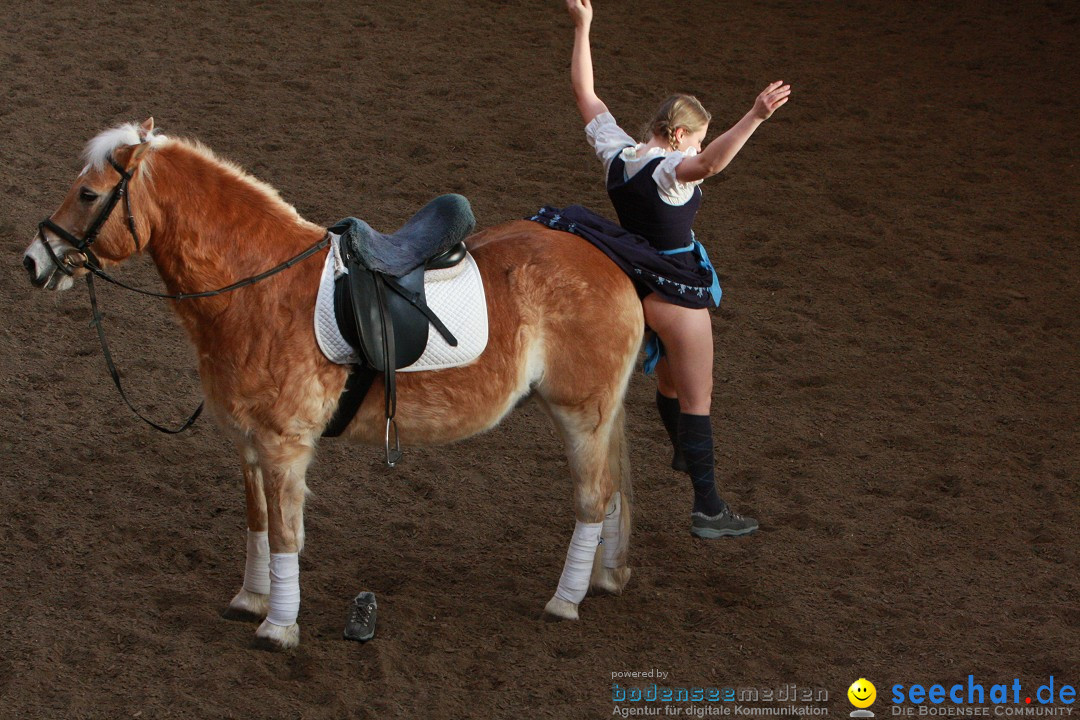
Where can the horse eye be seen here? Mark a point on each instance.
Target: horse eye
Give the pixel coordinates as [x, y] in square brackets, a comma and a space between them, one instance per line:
[87, 195]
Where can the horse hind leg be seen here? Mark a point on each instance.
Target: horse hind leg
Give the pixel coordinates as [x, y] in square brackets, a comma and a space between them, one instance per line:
[252, 602]
[610, 571]
[587, 444]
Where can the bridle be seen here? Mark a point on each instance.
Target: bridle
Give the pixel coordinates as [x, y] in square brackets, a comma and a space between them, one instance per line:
[82, 256]
[82, 245]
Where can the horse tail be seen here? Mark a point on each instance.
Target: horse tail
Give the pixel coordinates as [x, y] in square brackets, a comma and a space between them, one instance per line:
[622, 479]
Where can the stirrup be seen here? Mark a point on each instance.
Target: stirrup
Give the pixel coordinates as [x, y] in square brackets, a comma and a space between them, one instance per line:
[392, 456]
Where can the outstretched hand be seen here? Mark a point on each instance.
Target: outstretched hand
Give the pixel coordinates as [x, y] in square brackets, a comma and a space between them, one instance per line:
[772, 97]
[581, 11]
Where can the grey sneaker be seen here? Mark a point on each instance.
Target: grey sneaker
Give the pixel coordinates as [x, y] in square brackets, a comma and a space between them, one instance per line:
[361, 623]
[726, 524]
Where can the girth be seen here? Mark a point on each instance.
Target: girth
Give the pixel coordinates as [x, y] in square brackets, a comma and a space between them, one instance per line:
[386, 317]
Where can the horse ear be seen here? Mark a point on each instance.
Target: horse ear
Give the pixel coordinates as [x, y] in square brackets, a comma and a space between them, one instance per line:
[146, 128]
[128, 156]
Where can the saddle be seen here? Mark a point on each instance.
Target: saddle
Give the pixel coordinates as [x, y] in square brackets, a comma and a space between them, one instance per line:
[380, 306]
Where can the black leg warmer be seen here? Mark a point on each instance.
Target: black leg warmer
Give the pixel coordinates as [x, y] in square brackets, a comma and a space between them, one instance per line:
[669, 413]
[695, 439]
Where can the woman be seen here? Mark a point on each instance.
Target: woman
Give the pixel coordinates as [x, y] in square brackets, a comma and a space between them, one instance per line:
[653, 186]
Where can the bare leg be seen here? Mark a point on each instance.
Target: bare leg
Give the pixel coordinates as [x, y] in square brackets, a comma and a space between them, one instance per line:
[687, 337]
[684, 374]
[664, 382]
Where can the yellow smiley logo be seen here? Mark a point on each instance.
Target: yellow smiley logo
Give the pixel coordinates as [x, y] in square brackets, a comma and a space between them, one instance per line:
[862, 693]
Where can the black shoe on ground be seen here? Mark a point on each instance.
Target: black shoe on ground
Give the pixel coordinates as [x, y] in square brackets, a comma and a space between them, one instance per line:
[361, 623]
[726, 524]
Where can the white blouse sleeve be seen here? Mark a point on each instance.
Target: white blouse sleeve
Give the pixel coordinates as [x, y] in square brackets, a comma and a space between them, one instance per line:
[607, 138]
[672, 190]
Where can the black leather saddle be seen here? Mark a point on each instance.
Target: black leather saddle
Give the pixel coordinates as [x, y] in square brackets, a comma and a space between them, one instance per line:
[380, 305]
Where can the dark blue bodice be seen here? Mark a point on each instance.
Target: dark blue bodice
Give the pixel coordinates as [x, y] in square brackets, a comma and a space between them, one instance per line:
[641, 210]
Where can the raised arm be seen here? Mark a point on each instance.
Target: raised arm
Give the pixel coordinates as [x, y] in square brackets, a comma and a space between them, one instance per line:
[717, 154]
[581, 72]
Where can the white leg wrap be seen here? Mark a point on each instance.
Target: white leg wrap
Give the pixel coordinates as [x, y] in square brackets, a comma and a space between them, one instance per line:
[574, 582]
[610, 534]
[257, 569]
[284, 589]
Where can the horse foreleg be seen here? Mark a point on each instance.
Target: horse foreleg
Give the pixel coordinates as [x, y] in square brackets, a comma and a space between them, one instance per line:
[586, 439]
[253, 600]
[284, 463]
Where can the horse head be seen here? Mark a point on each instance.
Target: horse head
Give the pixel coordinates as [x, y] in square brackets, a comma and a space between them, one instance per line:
[96, 221]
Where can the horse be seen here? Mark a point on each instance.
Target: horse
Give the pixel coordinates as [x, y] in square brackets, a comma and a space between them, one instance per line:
[565, 328]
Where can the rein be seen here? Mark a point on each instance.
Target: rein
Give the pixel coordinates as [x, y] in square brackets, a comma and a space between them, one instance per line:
[85, 258]
[294, 260]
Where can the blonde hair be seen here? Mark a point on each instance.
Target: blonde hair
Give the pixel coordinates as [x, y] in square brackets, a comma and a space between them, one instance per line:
[678, 111]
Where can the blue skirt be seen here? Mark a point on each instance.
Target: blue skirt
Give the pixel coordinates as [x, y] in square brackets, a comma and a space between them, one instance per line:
[682, 276]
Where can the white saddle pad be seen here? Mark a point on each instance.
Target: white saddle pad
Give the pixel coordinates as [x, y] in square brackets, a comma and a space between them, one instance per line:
[455, 295]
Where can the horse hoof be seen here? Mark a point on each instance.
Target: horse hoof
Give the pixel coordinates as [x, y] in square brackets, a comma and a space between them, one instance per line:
[610, 580]
[276, 637]
[559, 609]
[247, 606]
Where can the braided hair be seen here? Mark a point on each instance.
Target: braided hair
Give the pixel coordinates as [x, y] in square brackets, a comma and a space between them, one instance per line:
[678, 111]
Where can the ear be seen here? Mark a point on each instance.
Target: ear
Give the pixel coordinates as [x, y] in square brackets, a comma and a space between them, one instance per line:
[129, 156]
[146, 128]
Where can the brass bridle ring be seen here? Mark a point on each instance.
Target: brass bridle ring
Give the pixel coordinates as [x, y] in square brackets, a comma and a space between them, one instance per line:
[73, 258]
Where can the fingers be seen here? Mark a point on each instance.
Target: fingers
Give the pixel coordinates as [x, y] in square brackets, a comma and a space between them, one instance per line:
[771, 107]
[774, 98]
[771, 98]
[579, 8]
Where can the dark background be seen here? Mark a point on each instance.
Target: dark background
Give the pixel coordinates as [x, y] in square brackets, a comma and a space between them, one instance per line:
[896, 378]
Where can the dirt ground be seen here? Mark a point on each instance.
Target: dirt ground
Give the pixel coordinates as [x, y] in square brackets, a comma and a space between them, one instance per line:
[896, 377]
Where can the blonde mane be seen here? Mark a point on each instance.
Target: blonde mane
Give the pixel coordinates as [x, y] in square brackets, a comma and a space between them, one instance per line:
[97, 152]
[237, 172]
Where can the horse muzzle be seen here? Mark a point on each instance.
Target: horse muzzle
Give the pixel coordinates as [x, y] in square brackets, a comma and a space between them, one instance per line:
[44, 272]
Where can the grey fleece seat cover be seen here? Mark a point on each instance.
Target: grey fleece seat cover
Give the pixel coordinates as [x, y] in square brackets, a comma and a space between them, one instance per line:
[436, 227]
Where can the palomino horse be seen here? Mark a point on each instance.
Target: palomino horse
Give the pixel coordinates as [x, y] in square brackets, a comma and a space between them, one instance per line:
[564, 327]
